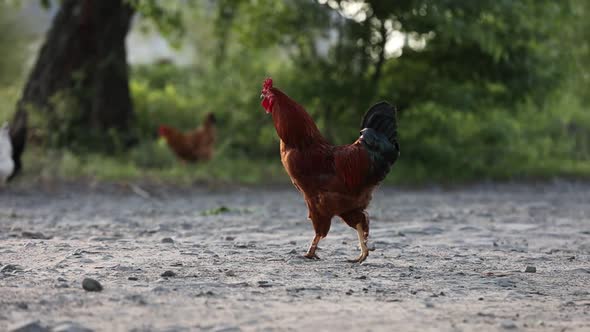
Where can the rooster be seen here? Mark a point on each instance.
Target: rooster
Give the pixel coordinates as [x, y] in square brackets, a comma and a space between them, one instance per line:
[197, 145]
[6, 161]
[334, 180]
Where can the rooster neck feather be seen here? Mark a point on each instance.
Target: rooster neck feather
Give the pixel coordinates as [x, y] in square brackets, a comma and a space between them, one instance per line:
[294, 125]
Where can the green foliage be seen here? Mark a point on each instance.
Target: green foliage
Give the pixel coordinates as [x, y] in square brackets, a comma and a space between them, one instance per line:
[216, 211]
[487, 89]
[446, 145]
[12, 46]
[161, 167]
[165, 15]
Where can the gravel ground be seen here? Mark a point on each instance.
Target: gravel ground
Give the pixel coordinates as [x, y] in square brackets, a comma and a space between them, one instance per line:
[230, 259]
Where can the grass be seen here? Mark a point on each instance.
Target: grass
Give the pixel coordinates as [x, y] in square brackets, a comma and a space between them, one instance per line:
[63, 165]
[60, 165]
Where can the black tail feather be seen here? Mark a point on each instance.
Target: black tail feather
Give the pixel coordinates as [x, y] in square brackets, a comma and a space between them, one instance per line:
[382, 118]
[379, 135]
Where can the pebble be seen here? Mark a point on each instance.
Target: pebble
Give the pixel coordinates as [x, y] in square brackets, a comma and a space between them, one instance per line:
[91, 285]
[9, 268]
[22, 306]
[29, 326]
[71, 327]
[168, 274]
[508, 324]
[132, 278]
[230, 273]
[503, 282]
[530, 269]
[167, 240]
[35, 235]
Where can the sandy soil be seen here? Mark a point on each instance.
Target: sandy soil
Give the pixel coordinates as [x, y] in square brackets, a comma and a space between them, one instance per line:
[444, 261]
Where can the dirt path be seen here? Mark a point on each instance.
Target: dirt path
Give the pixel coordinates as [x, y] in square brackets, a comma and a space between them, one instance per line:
[444, 261]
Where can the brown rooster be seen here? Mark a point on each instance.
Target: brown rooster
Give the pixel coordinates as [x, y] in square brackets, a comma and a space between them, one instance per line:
[334, 180]
[197, 145]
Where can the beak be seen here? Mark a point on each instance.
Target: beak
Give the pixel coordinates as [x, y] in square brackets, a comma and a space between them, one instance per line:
[262, 96]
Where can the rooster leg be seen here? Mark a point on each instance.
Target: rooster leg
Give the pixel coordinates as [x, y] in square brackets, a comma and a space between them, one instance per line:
[359, 220]
[312, 247]
[363, 238]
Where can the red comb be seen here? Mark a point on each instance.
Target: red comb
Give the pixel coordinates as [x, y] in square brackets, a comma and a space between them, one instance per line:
[267, 84]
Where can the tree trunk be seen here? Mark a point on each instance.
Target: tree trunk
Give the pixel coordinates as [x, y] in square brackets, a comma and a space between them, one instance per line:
[84, 56]
[381, 60]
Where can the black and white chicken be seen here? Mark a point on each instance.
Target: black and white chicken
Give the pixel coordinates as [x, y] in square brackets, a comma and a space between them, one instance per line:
[6, 158]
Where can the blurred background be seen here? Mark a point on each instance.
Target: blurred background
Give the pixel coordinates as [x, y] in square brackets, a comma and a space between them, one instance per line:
[487, 90]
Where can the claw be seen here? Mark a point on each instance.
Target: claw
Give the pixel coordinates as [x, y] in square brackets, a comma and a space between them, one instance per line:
[311, 256]
[359, 259]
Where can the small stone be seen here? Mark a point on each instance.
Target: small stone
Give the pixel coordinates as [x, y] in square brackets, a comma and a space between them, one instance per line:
[9, 268]
[530, 269]
[230, 238]
[168, 274]
[349, 292]
[91, 285]
[71, 327]
[133, 278]
[35, 235]
[22, 306]
[230, 273]
[207, 293]
[30, 326]
[362, 277]
[167, 240]
[480, 299]
[508, 324]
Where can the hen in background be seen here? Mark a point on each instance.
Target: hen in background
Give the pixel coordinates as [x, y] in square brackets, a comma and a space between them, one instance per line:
[196, 145]
[334, 180]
